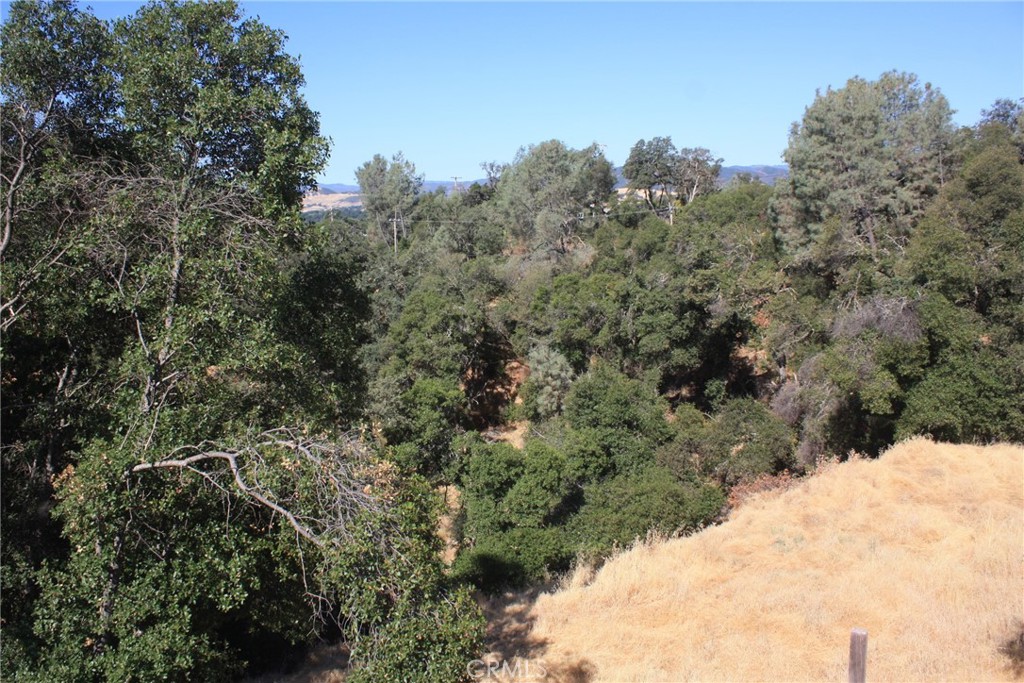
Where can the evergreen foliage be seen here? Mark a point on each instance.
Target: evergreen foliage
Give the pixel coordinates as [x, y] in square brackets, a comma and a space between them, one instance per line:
[224, 426]
[550, 378]
[181, 496]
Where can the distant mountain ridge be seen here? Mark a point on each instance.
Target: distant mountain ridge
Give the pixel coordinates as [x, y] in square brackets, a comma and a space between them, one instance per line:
[767, 174]
[337, 188]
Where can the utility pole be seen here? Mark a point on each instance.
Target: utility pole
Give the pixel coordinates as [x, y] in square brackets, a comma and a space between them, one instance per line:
[456, 179]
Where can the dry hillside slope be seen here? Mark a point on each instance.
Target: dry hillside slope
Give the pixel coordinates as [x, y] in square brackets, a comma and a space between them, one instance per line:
[923, 547]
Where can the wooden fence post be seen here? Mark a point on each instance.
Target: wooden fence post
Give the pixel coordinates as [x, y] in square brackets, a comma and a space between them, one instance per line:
[858, 655]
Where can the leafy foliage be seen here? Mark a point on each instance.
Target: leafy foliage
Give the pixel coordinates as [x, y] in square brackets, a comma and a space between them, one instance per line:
[658, 171]
[550, 378]
[743, 441]
[223, 425]
[389, 191]
[620, 509]
[179, 353]
[547, 189]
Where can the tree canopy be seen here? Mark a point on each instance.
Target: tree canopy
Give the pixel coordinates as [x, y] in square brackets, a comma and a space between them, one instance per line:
[182, 492]
[549, 190]
[226, 426]
[661, 173]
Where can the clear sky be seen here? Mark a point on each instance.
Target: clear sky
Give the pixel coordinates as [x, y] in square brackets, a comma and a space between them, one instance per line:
[455, 84]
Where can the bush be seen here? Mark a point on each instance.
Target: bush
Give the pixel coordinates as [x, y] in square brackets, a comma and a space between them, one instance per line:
[618, 510]
[425, 641]
[428, 414]
[743, 441]
[618, 422]
[492, 472]
[974, 396]
[513, 558]
[513, 504]
[546, 482]
[681, 455]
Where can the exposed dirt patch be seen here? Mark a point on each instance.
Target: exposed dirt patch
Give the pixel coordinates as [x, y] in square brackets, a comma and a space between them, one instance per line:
[513, 433]
[446, 525]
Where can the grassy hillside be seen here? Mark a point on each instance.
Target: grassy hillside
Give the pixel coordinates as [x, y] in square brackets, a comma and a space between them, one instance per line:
[922, 547]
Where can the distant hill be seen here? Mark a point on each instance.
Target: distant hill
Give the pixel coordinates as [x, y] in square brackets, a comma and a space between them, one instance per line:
[337, 188]
[766, 174]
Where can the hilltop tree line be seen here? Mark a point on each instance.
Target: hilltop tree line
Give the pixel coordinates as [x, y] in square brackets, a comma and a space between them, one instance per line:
[225, 428]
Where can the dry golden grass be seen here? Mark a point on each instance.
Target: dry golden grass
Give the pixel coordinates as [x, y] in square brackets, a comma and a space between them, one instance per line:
[514, 434]
[327, 202]
[923, 547]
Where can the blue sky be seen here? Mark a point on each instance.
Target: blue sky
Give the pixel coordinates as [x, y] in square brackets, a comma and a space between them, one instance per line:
[455, 84]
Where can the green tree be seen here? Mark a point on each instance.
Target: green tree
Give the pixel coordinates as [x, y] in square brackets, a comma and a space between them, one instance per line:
[864, 162]
[435, 369]
[549, 190]
[967, 259]
[55, 102]
[921, 351]
[968, 245]
[618, 423]
[459, 227]
[492, 471]
[623, 508]
[514, 504]
[389, 191]
[550, 378]
[207, 92]
[210, 509]
[661, 173]
[740, 442]
[1010, 115]
[696, 173]
[650, 170]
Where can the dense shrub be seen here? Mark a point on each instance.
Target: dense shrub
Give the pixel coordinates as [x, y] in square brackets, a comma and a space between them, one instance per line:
[619, 509]
[492, 471]
[513, 506]
[425, 642]
[618, 422]
[741, 442]
[536, 499]
[423, 423]
[514, 557]
[977, 395]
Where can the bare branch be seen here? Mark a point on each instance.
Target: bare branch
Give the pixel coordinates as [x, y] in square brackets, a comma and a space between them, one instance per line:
[250, 491]
[330, 484]
[27, 151]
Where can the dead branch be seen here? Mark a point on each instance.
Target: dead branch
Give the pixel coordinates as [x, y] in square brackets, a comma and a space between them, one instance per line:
[336, 478]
